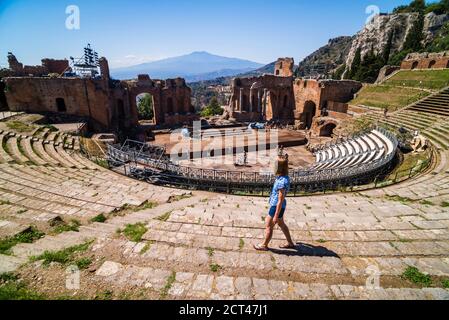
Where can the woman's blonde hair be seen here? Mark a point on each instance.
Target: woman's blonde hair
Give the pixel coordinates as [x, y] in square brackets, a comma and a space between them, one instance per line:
[281, 166]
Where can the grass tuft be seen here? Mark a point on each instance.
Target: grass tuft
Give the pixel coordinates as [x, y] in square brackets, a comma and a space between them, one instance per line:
[241, 244]
[18, 291]
[170, 281]
[28, 236]
[135, 232]
[417, 277]
[210, 251]
[215, 267]
[164, 217]
[101, 218]
[66, 227]
[65, 256]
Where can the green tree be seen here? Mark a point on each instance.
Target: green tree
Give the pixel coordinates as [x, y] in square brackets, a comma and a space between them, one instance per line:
[212, 109]
[388, 47]
[414, 39]
[145, 107]
[355, 63]
[338, 73]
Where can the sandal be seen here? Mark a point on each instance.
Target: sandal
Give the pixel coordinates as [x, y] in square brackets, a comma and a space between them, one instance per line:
[287, 246]
[260, 247]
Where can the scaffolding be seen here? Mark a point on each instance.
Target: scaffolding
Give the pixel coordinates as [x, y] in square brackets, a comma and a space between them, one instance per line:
[88, 65]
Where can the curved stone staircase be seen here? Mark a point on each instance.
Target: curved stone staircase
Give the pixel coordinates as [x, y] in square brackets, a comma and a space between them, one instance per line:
[44, 181]
[200, 247]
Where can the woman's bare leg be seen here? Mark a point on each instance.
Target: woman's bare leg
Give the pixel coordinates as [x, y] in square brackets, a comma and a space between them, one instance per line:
[286, 232]
[268, 230]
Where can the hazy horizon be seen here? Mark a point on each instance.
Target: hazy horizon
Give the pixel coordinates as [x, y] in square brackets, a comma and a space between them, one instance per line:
[144, 31]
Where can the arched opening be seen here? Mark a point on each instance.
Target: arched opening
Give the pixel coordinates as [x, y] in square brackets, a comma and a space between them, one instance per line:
[277, 72]
[3, 101]
[60, 105]
[245, 103]
[145, 106]
[309, 113]
[254, 103]
[432, 64]
[447, 65]
[327, 130]
[415, 65]
[120, 109]
[285, 105]
[170, 106]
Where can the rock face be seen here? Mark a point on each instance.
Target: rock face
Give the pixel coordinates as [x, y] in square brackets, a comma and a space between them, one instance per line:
[326, 58]
[375, 35]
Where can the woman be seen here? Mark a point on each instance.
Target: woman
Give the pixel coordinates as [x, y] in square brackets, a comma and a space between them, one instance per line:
[278, 204]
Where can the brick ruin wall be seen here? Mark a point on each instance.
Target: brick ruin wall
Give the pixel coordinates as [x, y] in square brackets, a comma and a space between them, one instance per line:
[312, 96]
[419, 61]
[284, 67]
[111, 106]
[48, 66]
[266, 97]
[271, 97]
[73, 96]
[171, 99]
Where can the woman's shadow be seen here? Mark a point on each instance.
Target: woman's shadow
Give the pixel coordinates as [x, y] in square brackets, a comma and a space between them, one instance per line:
[306, 250]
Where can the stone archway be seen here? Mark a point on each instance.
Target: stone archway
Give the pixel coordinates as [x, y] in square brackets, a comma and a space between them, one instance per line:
[415, 65]
[327, 130]
[432, 64]
[3, 101]
[145, 106]
[308, 114]
[60, 105]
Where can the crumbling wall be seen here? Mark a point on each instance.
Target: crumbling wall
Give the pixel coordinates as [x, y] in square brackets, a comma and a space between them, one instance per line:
[338, 91]
[55, 66]
[426, 61]
[48, 66]
[284, 67]
[3, 102]
[73, 96]
[266, 97]
[312, 96]
[171, 99]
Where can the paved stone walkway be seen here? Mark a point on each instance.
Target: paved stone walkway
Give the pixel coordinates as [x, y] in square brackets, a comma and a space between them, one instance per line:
[200, 246]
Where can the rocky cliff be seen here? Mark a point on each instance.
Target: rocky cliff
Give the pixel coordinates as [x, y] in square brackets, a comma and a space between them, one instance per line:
[326, 58]
[374, 36]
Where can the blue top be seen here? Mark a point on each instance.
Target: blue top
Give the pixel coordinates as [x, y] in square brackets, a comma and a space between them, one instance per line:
[281, 183]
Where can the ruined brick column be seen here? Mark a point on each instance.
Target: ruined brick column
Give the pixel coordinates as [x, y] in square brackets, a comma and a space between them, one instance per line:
[241, 100]
[104, 68]
[259, 105]
[251, 99]
[265, 97]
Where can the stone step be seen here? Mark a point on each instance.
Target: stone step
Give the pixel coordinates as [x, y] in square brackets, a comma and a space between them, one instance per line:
[41, 152]
[51, 150]
[69, 159]
[10, 263]
[193, 285]
[4, 155]
[30, 154]
[65, 240]
[11, 229]
[14, 150]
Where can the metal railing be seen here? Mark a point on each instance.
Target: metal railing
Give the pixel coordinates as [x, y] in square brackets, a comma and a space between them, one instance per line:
[149, 165]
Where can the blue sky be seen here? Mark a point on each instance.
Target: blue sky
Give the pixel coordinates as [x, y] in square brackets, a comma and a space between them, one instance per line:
[135, 31]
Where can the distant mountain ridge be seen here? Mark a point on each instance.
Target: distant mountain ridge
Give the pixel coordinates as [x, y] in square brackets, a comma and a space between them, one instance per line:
[196, 66]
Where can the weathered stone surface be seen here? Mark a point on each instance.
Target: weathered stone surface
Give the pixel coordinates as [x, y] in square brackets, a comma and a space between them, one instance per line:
[109, 268]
